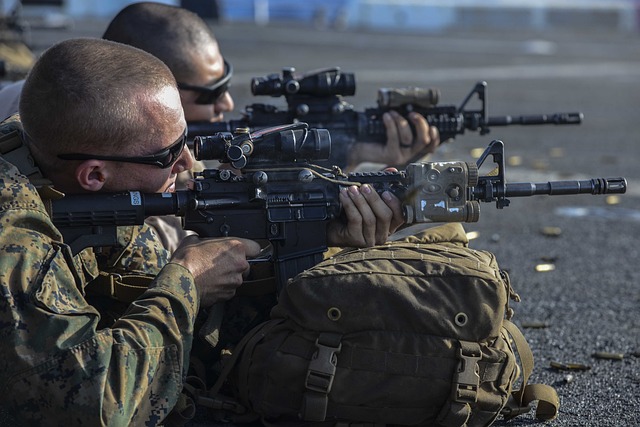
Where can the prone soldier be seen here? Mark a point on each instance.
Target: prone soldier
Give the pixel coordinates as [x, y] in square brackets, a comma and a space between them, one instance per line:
[57, 360]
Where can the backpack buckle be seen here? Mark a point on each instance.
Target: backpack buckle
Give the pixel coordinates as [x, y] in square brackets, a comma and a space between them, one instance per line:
[319, 378]
[467, 378]
[322, 367]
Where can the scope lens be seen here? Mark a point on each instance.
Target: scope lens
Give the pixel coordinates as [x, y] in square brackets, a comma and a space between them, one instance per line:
[211, 147]
[270, 85]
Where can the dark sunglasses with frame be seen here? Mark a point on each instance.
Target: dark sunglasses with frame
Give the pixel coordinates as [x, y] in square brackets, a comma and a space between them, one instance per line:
[162, 159]
[211, 94]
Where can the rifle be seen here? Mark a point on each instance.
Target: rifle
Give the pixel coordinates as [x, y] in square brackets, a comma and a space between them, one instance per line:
[316, 98]
[282, 197]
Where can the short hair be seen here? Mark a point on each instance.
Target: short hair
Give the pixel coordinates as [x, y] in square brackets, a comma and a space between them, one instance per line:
[171, 33]
[88, 95]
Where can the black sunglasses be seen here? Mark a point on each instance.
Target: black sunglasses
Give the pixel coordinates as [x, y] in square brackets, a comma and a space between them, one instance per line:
[162, 159]
[211, 94]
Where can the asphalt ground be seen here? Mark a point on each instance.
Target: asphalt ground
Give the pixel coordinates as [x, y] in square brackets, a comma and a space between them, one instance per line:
[588, 300]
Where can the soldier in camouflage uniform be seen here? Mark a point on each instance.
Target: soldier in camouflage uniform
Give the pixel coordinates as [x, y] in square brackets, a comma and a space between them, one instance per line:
[57, 367]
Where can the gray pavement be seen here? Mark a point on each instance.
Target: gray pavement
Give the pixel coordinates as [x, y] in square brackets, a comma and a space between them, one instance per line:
[590, 301]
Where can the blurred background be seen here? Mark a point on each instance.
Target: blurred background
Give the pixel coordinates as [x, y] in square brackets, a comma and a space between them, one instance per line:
[405, 15]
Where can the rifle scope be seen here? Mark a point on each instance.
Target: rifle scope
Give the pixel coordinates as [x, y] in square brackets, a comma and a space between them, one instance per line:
[323, 82]
[273, 145]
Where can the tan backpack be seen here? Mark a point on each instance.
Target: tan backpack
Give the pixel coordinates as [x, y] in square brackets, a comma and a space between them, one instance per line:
[413, 332]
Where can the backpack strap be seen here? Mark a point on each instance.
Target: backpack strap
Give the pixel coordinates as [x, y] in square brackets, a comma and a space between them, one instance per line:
[14, 151]
[464, 392]
[319, 378]
[548, 402]
[211, 398]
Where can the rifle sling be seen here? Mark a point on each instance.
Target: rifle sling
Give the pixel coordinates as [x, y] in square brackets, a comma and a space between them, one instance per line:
[126, 288]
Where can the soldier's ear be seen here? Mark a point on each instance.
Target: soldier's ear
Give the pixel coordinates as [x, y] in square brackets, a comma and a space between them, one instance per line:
[92, 174]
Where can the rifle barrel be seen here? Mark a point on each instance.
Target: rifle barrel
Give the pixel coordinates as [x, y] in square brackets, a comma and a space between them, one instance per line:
[538, 119]
[593, 186]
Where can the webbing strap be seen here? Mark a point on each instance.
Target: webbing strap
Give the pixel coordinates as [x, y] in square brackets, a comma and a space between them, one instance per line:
[320, 374]
[126, 288]
[464, 392]
[548, 401]
[467, 379]
[210, 331]
[247, 342]
[10, 141]
[526, 356]
[358, 358]
[13, 150]
[232, 408]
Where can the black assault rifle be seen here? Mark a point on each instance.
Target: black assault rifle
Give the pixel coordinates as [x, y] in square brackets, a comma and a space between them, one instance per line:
[280, 196]
[316, 98]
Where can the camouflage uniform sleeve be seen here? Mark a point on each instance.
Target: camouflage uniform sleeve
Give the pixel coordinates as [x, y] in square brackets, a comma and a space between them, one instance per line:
[140, 252]
[56, 367]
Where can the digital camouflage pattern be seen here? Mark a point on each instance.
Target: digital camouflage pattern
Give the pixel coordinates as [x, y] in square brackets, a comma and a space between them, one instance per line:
[143, 253]
[56, 366]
